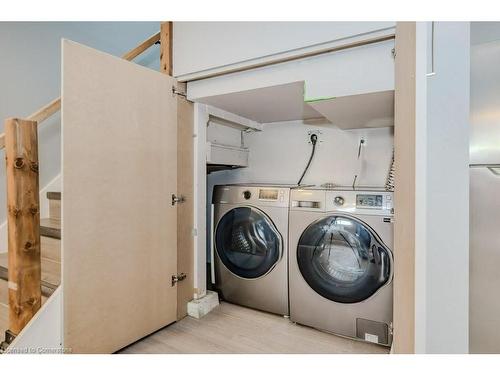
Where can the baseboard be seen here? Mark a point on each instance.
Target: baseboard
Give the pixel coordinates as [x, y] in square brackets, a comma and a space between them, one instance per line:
[200, 307]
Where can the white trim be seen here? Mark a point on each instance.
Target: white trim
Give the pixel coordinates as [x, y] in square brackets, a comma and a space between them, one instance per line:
[237, 120]
[198, 308]
[201, 117]
[293, 54]
[421, 188]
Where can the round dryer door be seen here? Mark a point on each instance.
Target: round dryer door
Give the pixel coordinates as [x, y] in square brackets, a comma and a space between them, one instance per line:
[247, 242]
[342, 259]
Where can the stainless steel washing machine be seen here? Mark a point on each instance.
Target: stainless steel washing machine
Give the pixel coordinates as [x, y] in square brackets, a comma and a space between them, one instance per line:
[341, 262]
[249, 245]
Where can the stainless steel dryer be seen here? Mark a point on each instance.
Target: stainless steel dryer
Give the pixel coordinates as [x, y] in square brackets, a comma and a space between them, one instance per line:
[249, 245]
[341, 263]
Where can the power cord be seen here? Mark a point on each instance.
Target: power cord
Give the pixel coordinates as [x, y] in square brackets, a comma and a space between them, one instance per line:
[314, 140]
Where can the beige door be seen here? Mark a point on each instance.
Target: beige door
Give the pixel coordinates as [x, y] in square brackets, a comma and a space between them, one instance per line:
[119, 171]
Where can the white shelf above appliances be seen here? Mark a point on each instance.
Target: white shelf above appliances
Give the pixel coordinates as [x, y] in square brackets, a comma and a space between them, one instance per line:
[368, 110]
[225, 147]
[220, 157]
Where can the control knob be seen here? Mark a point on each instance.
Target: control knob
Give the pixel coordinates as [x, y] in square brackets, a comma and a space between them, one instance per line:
[247, 194]
[339, 201]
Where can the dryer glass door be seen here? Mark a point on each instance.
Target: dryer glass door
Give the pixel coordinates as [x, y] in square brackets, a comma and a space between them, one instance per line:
[247, 242]
[343, 260]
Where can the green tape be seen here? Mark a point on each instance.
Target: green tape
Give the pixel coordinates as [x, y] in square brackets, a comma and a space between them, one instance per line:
[312, 100]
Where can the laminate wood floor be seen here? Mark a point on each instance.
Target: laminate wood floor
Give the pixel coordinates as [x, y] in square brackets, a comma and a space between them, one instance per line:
[234, 329]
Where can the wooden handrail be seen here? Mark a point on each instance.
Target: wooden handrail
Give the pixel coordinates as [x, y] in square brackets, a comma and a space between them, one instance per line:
[54, 106]
[45, 112]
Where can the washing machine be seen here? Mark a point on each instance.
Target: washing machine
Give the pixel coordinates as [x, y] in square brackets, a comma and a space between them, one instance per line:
[249, 245]
[341, 262]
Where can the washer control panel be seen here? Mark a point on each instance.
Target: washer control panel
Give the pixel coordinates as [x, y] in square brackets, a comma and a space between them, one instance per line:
[369, 202]
[339, 200]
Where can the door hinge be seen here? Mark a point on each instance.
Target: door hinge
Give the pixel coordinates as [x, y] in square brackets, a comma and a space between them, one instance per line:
[178, 92]
[177, 199]
[177, 278]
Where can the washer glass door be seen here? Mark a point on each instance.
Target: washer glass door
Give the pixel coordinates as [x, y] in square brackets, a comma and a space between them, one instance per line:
[342, 259]
[247, 242]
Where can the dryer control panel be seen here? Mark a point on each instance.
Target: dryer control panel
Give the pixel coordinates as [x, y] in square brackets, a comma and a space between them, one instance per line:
[366, 202]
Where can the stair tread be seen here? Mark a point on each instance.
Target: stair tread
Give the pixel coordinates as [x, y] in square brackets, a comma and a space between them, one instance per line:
[50, 228]
[51, 270]
[4, 319]
[4, 295]
[55, 195]
[51, 248]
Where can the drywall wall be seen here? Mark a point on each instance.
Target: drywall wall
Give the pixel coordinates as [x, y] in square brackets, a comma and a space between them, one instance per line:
[280, 152]
[201, 47]
[30, 74]
[43, 334]
[363, 69]
[447, 182]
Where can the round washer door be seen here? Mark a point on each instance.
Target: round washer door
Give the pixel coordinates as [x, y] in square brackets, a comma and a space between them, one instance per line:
[247, 242]
[342, 259]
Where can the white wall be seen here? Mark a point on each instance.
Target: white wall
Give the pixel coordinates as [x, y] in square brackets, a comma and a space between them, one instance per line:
[30, 74]
[43, 333]
[280, 152]
[201, 48]
[444, 273]
[352, 71]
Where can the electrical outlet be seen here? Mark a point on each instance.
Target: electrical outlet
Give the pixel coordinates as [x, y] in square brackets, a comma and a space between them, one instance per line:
[317, 132]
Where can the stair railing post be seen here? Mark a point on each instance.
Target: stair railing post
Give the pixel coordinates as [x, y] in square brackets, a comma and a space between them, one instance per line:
[23, 221]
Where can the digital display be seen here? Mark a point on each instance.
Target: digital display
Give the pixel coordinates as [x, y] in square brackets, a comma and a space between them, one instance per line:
[268, 194]
[368, 201]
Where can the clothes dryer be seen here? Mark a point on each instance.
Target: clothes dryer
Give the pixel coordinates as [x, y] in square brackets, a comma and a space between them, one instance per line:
[249, 245]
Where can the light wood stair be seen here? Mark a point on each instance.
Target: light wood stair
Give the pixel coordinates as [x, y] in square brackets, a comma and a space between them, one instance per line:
[4, 308]
[50, 237]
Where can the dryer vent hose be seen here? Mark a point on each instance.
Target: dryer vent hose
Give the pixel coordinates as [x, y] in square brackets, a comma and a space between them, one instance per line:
[389, 185]
[314, 140]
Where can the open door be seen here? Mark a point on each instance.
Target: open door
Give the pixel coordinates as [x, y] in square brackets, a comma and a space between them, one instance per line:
[119, 225]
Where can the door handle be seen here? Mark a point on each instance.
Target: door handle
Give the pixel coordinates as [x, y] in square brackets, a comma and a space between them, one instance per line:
[177, 199]
[495, 170]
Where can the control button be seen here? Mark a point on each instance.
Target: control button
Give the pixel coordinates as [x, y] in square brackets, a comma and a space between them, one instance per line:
[247, 194]
[339, 201]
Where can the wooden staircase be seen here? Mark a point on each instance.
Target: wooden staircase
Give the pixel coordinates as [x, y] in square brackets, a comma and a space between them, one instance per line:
[50, 236]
